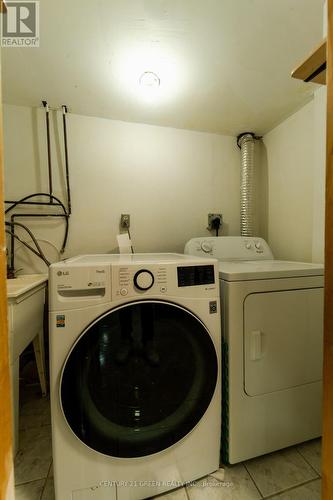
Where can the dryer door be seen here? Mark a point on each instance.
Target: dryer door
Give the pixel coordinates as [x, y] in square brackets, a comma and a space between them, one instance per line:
[283, 340]
[139, 379]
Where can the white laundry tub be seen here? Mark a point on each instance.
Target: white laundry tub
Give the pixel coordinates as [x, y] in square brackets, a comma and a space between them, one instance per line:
[26, 299]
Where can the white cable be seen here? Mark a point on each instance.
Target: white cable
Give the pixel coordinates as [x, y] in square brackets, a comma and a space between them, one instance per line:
[19, 246]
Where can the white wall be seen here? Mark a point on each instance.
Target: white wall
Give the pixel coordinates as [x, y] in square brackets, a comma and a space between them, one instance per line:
[167, 179]
[319, 177]
[293, 171]
[294, 157]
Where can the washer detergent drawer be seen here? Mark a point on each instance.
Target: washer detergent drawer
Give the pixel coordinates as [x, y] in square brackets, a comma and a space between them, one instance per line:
[283, 340]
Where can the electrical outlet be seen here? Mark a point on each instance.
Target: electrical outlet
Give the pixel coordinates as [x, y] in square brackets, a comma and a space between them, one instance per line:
[211, 217]
[125, 221]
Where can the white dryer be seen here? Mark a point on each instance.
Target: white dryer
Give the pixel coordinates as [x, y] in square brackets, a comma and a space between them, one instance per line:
[272, 330]
[135, 374]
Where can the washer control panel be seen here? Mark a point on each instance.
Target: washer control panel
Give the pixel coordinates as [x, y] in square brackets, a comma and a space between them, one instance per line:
[101, 278]
[132, 280]
[143, 279]
[162, 279]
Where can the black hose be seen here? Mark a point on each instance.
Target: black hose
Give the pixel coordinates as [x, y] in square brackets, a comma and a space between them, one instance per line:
[66, 215]
[37, 203]
[29, 247]
[69, 203]
[18, 202]
[52, 198]
[48, 215]
[64, 243]
[46, 106]
[32, 236]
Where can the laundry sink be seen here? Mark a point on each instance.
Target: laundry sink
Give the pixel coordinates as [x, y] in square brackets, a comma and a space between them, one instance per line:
[26, 299]
[22, 284]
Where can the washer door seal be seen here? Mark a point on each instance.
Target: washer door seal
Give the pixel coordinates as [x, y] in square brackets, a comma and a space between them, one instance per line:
[139, 379]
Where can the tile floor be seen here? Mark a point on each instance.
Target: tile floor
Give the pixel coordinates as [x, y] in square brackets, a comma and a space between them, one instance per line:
[291, 474]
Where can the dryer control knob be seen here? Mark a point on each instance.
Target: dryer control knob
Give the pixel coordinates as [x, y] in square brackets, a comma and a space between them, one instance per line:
[206, 246]
[143, 279]
[248, 246]
[258, 245]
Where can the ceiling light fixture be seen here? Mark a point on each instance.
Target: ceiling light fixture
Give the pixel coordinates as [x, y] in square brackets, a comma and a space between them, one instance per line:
[149, 79]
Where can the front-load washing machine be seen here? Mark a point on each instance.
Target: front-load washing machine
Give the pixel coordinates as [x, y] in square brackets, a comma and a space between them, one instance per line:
[135, 374]
[272, 330]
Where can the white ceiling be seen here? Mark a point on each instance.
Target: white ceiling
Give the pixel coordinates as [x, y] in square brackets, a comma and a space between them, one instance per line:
[224, 65]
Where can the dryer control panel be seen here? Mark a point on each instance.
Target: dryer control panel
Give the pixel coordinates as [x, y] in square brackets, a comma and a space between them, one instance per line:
[229, 248]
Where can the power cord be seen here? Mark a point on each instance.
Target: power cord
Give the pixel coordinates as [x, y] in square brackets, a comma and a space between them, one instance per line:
[129, 235]
[216, 224]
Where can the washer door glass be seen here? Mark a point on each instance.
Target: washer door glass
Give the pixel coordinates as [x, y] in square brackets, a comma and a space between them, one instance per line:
[139, 379]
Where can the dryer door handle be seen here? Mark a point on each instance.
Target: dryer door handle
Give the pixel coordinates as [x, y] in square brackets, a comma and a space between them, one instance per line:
[256, 347]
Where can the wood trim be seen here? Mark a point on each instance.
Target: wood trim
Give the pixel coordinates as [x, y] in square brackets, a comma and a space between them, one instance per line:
[327, 473]
[6, 463]
[3, 7]
[308, 70]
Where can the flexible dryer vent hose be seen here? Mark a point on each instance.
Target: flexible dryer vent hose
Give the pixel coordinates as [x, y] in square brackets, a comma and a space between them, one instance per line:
[246, 144]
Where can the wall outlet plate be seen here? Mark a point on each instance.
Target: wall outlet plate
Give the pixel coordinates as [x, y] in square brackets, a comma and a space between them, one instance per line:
[125, 221]
[211, 217]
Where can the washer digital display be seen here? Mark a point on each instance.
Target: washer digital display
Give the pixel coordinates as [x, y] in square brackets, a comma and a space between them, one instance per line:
[195, 275]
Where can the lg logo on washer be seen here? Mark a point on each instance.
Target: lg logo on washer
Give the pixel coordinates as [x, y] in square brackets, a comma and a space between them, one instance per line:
[63, 273]
[78, 278]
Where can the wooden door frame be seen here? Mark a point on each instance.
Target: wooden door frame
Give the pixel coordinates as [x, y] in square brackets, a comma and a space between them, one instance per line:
[327, 461]
[6, 461]
[6, 464]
